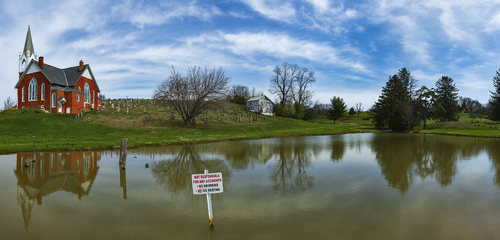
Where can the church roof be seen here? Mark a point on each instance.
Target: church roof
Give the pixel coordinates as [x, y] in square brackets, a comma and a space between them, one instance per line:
[28, 44]
[67, 77]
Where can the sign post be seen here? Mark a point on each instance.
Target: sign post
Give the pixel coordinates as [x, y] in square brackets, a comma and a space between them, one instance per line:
[207, 183]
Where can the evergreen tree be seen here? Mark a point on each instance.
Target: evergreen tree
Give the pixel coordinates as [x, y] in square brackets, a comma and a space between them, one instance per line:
[352, 111]
[388, 109]
[409, 82]
[337, 109]
[495, 99]
[448, 98]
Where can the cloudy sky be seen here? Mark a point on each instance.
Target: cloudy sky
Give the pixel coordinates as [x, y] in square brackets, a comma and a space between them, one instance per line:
[352, 46]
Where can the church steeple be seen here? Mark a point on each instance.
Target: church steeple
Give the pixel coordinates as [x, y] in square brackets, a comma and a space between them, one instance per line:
[28, 53]
[28, 44]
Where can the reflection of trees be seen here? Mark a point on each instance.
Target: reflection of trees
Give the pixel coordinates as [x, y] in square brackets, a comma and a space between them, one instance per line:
[175, 174]
[403, 157]
[338, 148]
[242, 153]
[289, 174]
[494, 154]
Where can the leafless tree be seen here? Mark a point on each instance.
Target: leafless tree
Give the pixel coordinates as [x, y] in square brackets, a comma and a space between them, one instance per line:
[8, 103]
[240, 91]
[194, 92]
[359, 108]
[302, 96]
[283, 80]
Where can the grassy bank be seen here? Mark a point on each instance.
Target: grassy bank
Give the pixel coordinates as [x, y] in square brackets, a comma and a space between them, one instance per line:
[465, 127]
[34, 130]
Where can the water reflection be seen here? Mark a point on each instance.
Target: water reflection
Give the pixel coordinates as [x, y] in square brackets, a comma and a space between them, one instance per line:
[174, 174]
[338, 145]
[402, 158]
[493, 149]
[41, 174]
[245, 154]
[289, 174]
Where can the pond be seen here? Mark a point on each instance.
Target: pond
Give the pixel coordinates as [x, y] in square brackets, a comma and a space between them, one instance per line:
[355, 186]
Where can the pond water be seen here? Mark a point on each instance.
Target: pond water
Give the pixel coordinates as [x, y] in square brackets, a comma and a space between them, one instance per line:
[355, 186]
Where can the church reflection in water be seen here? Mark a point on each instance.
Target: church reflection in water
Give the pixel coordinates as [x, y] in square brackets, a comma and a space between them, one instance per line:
[41, 174]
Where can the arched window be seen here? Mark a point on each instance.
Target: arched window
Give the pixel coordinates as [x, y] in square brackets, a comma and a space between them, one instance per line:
[53, 100]
[32, 93]
[24, 93]
[43, 91]
[93, 97]
[86, 93]
[78, 97]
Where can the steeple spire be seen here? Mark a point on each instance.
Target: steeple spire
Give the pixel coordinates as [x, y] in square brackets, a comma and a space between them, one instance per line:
[28, 44]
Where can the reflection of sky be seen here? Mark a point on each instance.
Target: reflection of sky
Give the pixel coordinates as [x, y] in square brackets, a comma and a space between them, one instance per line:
[349, 199]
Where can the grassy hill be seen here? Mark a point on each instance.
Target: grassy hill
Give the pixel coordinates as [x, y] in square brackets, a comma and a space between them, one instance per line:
[34, 130]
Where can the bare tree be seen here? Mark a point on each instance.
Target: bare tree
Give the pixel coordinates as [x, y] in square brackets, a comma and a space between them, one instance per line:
[359, 108]
[302, 96]
[8, 103]
[283, 80]
[194, 92]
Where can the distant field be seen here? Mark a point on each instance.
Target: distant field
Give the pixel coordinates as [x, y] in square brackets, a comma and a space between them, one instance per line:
[34, 130]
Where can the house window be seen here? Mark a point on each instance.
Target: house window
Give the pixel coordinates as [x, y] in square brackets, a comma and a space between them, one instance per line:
[32, 93]
[24, 93]
[53, 100]
[86, 93]
[43, 91]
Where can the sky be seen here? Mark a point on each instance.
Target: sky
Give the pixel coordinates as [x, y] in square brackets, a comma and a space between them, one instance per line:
[352, 46]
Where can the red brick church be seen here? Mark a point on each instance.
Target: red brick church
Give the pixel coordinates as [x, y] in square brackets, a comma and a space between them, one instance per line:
[56, 90]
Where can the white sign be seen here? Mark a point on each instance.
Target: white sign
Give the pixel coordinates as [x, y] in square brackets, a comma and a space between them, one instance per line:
[207, 183]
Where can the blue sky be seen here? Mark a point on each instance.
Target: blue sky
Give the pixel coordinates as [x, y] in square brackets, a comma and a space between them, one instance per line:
[352, 46]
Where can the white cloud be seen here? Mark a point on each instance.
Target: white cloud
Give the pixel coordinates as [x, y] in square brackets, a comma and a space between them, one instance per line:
[141, 14]
[273, 9]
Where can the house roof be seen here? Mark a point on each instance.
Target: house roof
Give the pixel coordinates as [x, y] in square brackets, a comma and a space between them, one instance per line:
[67, 77]
[258, 98]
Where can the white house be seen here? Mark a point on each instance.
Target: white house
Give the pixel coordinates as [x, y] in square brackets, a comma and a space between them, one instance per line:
[260, 103]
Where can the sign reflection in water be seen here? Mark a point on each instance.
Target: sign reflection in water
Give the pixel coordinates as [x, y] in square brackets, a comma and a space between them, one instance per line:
[41, 174]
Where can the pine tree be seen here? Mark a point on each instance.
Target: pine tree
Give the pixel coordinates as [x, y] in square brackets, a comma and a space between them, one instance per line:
[495, 99]
[337, 110]
[388, 109]
[409, 82]
[448, 98]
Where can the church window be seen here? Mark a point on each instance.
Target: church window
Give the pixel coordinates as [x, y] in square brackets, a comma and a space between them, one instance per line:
[53, 100]
[78, 97]
[43, 91]
[24, 93]
[86, 93]
[93, 97]
[32, 91]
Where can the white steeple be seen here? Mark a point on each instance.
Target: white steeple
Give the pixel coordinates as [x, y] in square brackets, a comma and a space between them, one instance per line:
[28, 52]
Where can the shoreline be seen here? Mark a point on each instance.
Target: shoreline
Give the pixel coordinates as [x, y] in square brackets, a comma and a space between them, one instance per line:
[193, 142]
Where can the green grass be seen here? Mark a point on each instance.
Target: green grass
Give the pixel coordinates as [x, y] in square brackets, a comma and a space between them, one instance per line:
[33, 130]
[464, 127]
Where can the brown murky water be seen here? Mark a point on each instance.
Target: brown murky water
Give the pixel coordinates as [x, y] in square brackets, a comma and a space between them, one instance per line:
[357, 186]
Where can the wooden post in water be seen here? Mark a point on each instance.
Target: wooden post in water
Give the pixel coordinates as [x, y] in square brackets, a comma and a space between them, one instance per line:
[209, 203]
[123, 153]
[123, 182]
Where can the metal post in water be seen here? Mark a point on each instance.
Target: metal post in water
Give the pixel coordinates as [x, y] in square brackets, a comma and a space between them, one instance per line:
[209, 203]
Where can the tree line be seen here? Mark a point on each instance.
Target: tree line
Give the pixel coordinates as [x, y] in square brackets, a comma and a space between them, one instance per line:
[401, 106]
